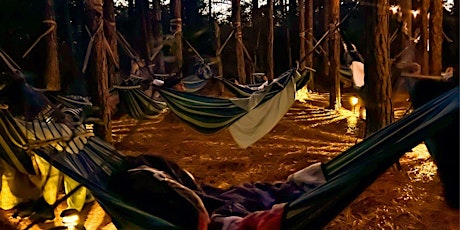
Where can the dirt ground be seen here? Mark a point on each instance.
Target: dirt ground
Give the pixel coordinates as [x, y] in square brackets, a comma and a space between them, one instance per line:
[407, 199]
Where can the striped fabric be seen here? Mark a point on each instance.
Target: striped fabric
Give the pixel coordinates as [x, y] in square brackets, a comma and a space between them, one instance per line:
[211, 114]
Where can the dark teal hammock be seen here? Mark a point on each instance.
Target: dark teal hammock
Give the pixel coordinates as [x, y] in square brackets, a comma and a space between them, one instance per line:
[347, 174]
[210, 114]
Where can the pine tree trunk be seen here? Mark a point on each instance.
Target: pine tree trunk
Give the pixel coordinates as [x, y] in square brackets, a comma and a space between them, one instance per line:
[236, 18]
[302, 39]
[326, 22]
[220, 69]
[334, 57]
[309, 31]
[176, 29]
[379, 107]
[98, 80]
[51, 74]
[110, 32]
[406, 7]
[436, 37]
[424, 36]
[158, 36]
[309, 19]
[142, 8]
[270, 37]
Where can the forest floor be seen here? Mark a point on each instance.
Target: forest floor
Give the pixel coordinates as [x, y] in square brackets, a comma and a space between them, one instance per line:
[410, 198]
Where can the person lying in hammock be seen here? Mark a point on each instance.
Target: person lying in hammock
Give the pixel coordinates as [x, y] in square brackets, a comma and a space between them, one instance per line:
[160, 187]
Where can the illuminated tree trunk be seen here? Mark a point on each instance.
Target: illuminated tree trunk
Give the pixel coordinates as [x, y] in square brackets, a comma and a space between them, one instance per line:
[406, 7]
[309, 24]
[176, 29]
[110, 32]
[334, 56]
[236, 18]
[51, 74]
[326, 18]
[379, 107]
[98, 80]
[436, 37]
[424, 36]
[309, 32]
[270, 58]
[302, 33]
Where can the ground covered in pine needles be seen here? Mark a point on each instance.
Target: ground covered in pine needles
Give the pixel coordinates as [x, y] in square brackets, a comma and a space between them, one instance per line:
[410, 198]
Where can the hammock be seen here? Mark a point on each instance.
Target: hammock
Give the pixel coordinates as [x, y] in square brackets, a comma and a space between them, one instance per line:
[239, 90]
[347, 174]
[248, 118]
[352, 171]
[134, 102]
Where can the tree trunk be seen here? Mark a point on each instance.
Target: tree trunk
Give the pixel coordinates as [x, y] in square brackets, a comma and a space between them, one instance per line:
[334, 57]
[236, 18]
[424, 36]
[98, 80]
[379, 107]
[302, 39]
[142, 7]
[158, 36]
[309, 18]
[309, 32]
[406, 7]
[270, 58]
[220, 69]
[110, 32]
[176, 29]
[326, 18]
[52, 75]
[436, 37]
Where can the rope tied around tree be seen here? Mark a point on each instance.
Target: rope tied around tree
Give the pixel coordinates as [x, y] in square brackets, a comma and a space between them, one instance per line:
[90, 44]
[53, 26]
[176, 25]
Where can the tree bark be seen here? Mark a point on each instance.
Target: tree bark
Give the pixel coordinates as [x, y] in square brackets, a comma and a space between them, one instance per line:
[270, 37]
[110, 32]
[220, 69]
[52, 75]
[236, 18]
[379, 106]
[326, 18]
[309, 19]
[334, 57]
[98, 80]
[302, 39]
[406, 7]
[436, 37]
[158, 36]
[424, 36]
[176, 29]
[142, 9]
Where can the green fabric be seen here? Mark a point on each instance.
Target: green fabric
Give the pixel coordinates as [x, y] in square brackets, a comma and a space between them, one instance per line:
[355, 169]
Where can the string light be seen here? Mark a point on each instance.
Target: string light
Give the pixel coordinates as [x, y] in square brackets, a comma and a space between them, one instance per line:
[394, 9]
[415, 13]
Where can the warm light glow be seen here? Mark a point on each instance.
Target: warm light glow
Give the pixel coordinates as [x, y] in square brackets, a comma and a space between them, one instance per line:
[394, 9]
[70, 218]
[354, 101]
[415, 13]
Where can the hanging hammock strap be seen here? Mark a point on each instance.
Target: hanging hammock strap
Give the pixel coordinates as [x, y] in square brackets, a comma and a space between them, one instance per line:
[52, 24]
